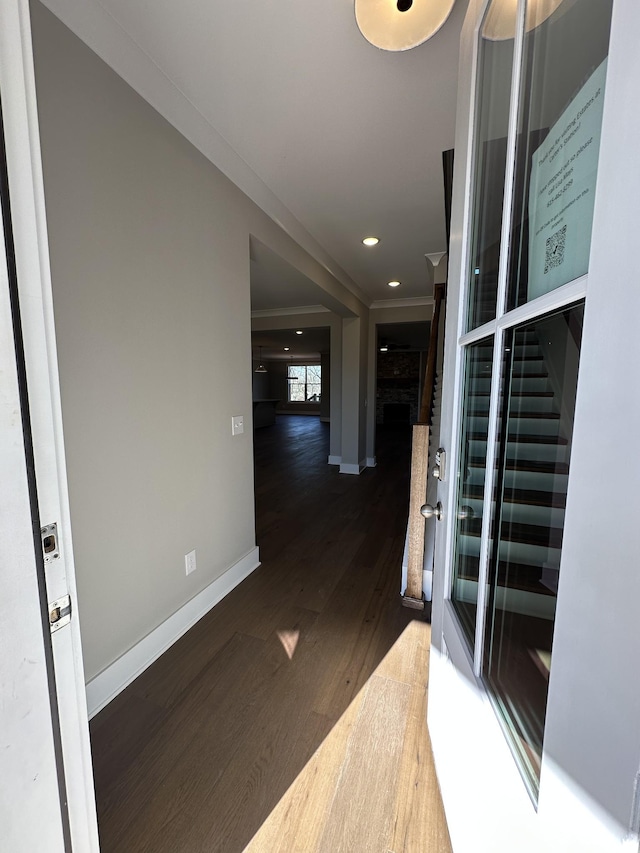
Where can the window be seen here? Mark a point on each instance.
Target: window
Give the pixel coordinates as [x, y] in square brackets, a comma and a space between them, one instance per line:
[533, 184]
[304, 381]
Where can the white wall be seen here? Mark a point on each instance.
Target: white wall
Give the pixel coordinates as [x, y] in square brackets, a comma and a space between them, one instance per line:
[149, 248]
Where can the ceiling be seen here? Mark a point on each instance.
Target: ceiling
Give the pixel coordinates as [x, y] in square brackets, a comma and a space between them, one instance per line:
[347, 138]
[309, 345]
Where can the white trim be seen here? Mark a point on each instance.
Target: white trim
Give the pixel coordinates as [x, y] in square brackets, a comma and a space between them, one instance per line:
[457, 295]
[501, 298]
[487, 330]
[334, 460]
[24, 164]
[113, 680]
[555, 300]
[409, 302]
[351, 468]
[371, 461]
[285, 312]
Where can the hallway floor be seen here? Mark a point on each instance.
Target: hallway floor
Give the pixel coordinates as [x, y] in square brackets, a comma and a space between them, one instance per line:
[293, 713]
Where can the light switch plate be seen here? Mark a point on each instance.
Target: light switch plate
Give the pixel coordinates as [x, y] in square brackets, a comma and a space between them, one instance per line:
[237, 425]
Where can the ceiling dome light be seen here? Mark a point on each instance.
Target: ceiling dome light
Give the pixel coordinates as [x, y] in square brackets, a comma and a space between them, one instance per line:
[286, 349]
[371, 241]
[400, 24]
[299, 332]
[394, 284]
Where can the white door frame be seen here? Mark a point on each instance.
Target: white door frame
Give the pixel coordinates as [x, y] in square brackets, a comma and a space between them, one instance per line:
[17, 90]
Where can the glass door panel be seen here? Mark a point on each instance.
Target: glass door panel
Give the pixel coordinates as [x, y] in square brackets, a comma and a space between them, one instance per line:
[536, 427]
[558, 140]
[473, 452]
[494, 91]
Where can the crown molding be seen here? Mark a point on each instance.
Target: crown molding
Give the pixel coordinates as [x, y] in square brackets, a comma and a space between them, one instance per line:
[410, 302]
[286, 312]
[105, 36]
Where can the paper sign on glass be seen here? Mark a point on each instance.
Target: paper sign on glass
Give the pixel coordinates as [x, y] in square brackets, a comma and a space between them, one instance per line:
[562, 190]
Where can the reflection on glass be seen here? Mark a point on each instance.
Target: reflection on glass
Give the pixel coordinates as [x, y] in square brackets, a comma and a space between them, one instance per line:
[559, 119]
[494, 89]
[535, 445]
[475, 425]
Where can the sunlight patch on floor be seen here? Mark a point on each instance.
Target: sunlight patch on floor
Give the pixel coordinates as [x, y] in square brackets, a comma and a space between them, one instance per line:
[371, 783]
[289, 640]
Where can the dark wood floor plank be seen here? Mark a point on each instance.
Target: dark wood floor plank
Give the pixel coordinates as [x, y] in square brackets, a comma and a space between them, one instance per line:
[198, 751]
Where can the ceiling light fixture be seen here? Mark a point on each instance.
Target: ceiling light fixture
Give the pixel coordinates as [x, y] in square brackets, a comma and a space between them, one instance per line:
[400, 24]
[286, 349]
[500, 21]
[384, 348]
[260, 368]
[394, 284]
[371, 241]
[299, 332]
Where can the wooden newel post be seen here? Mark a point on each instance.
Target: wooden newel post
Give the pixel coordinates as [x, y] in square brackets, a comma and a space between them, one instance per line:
[417, 497]
[412, 596]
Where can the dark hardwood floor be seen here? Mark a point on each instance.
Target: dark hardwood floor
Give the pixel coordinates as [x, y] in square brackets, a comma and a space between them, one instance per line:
[196, 753]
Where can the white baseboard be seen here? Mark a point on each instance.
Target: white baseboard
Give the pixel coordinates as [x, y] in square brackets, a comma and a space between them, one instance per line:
[351, 468]
[112, 680]
[371, 461]
[335, 460]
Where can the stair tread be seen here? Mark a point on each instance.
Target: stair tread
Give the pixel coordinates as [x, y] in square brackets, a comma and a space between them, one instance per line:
[523, 438]
[533, 465]
[486, 375]
[468, 568]
[552, 416]
[534, 497]
[521, 532]
[515, 394]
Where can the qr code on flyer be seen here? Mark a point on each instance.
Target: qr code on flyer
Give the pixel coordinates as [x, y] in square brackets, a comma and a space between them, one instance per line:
[555, 249]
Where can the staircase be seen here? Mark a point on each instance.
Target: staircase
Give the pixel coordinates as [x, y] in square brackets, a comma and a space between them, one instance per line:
[534, 487]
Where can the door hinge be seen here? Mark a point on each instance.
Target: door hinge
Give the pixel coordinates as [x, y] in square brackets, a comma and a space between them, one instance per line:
[60, 613]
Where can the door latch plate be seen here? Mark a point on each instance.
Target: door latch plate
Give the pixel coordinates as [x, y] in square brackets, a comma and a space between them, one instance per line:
[59, 613]
[438, 469]
[50, 546]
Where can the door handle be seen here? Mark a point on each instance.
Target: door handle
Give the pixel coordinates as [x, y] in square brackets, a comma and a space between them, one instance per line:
[429, 511]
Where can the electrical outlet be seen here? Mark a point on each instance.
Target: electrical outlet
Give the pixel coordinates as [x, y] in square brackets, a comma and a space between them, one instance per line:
[190, 562]
[237, 425]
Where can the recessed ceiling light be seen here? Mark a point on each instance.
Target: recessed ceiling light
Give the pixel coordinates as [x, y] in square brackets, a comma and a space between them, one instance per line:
[371, 241]
[298, 332]
[286, 349]
[394, 284]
